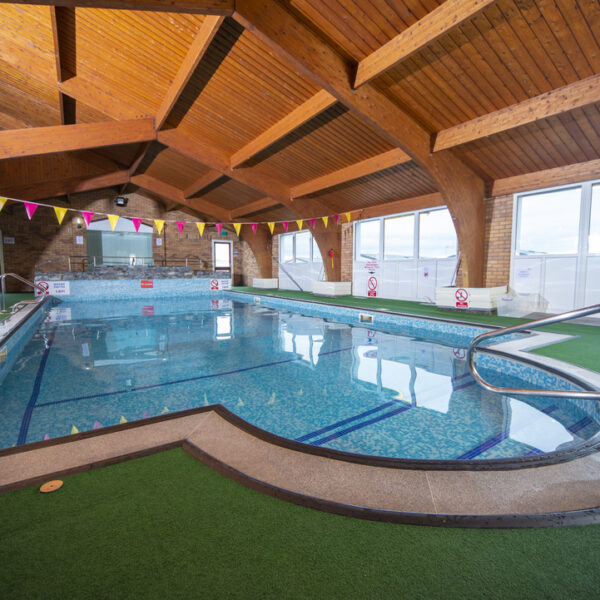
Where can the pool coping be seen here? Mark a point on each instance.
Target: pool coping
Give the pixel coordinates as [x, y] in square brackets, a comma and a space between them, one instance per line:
[216, 439]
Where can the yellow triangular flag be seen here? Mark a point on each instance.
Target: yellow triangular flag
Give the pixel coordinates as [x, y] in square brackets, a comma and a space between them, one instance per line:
[348, 217]
[165, 410]
[123, 420]
[237, 227]
[60, 213]
[159, 225]
[325, 219]
[112, 219]
[201, 227]
[74, 430]
[299, 223]
[2, 202]
[271, 227]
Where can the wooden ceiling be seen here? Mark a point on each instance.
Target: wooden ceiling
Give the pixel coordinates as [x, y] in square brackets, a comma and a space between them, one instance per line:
[279, 109]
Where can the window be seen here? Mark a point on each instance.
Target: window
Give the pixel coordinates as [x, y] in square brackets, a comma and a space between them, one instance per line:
[437, 236]
[316, 253]
[595, 221]
[286, 252]
[367, 243]
[548, 223]
[303, 247]
[398, 237]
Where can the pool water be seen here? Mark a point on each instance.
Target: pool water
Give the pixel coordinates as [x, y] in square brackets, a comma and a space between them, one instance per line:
[324, 383]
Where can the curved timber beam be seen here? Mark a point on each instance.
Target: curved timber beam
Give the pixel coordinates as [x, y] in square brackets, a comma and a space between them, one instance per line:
[462, 190]
[260, 243]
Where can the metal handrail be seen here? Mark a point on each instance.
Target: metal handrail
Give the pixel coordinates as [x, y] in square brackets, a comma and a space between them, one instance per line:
[22, 280]
[572, 314]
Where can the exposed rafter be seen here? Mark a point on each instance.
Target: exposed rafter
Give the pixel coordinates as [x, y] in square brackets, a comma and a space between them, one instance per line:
[461, 188]
[58, 16]
[575, 95]
[437, 23]
[546, 178]
[253, 207]
[207, 180]
[200, 44]
[366, 167]
[320, 102]
[206, 7]
[49, 189]
[174, 194]
[64, 138]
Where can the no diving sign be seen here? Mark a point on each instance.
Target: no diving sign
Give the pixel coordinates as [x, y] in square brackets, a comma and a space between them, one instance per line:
[462, 298]
[372, 287]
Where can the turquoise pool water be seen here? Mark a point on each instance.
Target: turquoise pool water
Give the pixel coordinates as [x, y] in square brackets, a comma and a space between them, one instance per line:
[329, 384]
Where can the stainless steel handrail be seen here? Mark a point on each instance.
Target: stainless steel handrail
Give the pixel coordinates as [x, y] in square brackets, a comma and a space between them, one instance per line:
[572, 314]
[22, 280]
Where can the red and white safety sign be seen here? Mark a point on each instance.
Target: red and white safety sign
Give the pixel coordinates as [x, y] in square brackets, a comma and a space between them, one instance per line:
[214, 284]
[462, 298]
[372, 286]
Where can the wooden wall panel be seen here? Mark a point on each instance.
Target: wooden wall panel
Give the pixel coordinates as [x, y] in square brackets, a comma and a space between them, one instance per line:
[239, 90]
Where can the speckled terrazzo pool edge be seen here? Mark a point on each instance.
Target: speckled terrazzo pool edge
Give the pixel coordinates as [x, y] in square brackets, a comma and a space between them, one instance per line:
[201, 449]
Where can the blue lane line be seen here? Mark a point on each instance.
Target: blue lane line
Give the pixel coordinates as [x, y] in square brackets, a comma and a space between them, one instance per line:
[580, 424]
[186, 380]
[344, 422]
[549, 409]
[463, 386]
[338, 434]
[486, 445]
[35, 392]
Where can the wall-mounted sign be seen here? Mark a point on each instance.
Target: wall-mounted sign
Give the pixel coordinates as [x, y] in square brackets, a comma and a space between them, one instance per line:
[54, 288]
[79, 240]
[159, 241]
[146, 284]
[9, 240]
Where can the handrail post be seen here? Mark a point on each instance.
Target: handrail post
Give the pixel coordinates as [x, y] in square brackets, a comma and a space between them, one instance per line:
[3, 295]
[475, 342]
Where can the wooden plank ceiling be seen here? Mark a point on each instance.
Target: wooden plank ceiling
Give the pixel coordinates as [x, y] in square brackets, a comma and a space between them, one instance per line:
[241, 132]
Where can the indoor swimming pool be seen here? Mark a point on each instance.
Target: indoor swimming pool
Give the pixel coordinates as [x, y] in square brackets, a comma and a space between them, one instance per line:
[320, 382]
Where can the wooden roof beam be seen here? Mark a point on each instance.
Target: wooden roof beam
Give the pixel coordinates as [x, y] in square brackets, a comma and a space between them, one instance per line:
[216, 159]
[199, 45]
[427, 30]
[65, 138]
[555, 102]
[462, 190]
[202, 183]
[401, 206]
[50, 189]
[369, 166]
[200, 7]
[320, 102]
[174, 194]
[256, 206]
[58, 17]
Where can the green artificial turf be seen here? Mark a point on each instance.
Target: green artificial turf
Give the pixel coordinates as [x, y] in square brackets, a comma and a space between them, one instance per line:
[13, 299]
[167, 527]
[582, 351]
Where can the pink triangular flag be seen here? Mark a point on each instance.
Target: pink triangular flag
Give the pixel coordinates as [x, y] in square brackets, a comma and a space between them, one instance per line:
[219, 226]
[30, 207]
[145, 415]
[46, 437]
[312, 223]
[136, 223]
[285, 225]
[254, 227]
[180, 226]
[96, 425]
[87, 217]
[336, 218]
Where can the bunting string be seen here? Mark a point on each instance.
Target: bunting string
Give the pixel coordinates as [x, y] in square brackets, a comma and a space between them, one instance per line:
[60, 212]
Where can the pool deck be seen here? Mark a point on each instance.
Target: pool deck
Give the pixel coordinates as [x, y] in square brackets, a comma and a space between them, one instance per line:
[561, 494]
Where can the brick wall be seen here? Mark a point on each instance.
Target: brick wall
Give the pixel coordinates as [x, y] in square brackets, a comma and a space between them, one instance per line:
[42, 241]
[498, 229]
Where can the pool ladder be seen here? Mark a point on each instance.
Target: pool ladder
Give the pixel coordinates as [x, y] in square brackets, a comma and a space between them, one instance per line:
[22, 280]
[572, 314]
